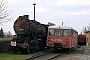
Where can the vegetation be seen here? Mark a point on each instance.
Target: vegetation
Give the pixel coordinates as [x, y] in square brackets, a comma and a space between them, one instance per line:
[86, 28]
[3, 44]
[6, 39]
[12, 56]
[4, 13]
[1, 33]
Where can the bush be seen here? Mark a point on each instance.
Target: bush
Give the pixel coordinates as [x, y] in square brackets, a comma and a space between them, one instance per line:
[4, 44]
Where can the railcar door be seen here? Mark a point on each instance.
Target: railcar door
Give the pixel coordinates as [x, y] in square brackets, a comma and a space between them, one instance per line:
[74, 39]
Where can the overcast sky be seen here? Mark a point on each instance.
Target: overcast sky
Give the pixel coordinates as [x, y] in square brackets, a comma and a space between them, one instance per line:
[74, 13]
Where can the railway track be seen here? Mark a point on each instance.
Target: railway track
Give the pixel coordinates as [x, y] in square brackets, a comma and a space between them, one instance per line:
[37, 56]
[45, 52]
[58, 55]
[45, 56]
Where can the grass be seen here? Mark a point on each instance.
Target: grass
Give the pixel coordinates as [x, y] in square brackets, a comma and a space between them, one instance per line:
[12, 56]
[6, 39]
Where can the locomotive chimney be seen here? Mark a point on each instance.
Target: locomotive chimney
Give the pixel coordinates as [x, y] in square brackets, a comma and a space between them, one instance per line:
[34, 10]
[27, 16]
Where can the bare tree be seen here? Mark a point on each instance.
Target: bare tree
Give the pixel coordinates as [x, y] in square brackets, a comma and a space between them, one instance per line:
[7, 34]
[88, 27]
[4, 13]
[84, 30]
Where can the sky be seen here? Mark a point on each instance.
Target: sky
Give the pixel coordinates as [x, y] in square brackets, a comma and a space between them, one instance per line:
[74, 13]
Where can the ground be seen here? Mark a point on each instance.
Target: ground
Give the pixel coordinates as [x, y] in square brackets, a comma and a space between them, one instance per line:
[82, 53]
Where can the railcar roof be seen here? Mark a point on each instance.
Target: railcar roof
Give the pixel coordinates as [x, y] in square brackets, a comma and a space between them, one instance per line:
[62, 27]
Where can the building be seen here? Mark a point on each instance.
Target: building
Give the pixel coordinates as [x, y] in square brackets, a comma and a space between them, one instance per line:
[87, 38]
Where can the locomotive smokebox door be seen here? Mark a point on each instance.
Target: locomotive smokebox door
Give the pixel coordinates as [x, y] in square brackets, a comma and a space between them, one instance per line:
[21, 25]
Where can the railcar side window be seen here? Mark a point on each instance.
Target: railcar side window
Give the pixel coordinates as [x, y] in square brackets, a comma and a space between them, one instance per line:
[51, 33]
[65, 33]
[75, 34]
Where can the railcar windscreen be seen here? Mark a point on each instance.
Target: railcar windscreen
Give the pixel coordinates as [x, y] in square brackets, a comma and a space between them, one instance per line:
[55, 32]
[51, 32]
[58, 32]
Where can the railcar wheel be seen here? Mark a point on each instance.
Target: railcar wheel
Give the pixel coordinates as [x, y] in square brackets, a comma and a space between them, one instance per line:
[58, 49]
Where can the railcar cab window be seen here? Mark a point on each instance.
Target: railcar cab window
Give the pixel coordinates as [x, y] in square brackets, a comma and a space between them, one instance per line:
[58, 32]
[51, 32]
[65, 33]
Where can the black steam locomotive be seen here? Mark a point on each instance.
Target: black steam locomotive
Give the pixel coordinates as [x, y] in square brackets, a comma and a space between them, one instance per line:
[30, 37]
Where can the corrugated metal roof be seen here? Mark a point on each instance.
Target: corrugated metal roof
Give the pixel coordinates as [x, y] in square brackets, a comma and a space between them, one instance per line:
[62, 27]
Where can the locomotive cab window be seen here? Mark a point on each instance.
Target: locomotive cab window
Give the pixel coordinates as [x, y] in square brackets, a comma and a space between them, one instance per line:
[65, 33]
[51, 32]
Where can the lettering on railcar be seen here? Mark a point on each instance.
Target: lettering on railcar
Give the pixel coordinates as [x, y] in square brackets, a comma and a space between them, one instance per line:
[59, 40]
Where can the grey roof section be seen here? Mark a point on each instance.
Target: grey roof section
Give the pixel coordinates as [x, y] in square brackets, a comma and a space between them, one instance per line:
[62, 27]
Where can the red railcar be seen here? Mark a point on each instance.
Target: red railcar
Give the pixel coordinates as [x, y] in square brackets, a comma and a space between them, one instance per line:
[81, 39]
[62, 37]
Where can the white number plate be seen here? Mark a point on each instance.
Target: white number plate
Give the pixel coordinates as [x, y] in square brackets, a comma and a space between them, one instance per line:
[13, 43]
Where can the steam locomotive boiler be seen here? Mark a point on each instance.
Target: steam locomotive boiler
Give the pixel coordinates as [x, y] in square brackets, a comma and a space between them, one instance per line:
[30, 35]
